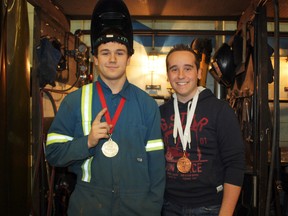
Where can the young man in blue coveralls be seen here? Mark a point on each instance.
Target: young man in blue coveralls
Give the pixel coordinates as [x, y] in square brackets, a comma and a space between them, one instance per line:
[108, 134]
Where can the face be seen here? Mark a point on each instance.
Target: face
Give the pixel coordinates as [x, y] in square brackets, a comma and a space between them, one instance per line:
[112, 60]
[183, 74]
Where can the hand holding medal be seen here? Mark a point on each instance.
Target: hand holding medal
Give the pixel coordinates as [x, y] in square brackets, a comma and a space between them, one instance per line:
[99, 130]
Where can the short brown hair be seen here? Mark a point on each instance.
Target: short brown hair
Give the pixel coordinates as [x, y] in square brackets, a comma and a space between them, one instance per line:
[183, 47]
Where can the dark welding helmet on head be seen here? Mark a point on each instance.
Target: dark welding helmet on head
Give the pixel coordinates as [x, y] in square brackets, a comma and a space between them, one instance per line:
[111, 21]
[223, 67]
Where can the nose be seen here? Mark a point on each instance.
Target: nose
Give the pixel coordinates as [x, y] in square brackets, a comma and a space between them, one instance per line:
[180, 74]
[112, 57]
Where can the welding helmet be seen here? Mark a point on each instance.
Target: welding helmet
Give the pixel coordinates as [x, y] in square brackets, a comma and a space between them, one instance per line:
[223, 66]
[111, 21]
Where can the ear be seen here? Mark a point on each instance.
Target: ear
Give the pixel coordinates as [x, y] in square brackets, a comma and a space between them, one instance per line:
[199, 73]
[95, 60]
[167, 77]
[128, 60]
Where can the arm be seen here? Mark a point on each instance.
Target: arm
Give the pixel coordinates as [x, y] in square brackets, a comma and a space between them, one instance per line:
[231, 146]
[70, 137]
[233, 159]
[155, 152]
[230, 197]
[64, 143]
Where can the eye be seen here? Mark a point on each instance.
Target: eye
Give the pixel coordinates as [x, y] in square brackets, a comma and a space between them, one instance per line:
[173, 69]
[188, 68]
[104, 53]
[120, 53]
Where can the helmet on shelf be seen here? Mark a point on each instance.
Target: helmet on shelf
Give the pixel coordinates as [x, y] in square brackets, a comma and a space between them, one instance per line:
[223, 67]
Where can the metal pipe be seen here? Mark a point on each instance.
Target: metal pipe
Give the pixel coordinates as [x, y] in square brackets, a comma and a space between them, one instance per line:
[274, 161]
[173, 32]
[255, 119]
[164, 32]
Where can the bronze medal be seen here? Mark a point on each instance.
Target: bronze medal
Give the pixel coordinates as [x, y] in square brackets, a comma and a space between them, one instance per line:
[184, 164]
[110, 148]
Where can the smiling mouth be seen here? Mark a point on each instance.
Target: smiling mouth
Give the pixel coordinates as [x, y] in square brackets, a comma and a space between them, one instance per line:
[181, 83]
[111, 67]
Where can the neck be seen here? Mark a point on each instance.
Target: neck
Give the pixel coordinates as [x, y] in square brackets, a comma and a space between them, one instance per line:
[115, 85]
[185, 98]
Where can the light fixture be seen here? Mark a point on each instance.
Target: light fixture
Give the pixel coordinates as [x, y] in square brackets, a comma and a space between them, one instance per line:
[152, 61]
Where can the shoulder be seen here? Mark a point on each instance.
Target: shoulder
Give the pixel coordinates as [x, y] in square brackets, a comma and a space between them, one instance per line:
[167, 105]
[207, 96]
[141, 94]
[209, 103]
[75, 96]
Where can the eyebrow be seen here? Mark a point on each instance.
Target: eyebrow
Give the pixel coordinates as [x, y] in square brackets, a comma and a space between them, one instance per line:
[185, 65]
[173, 66]
[117, 50]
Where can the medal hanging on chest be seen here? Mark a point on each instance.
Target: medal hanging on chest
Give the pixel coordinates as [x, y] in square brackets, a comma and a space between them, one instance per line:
[184, 164]
[110, 148]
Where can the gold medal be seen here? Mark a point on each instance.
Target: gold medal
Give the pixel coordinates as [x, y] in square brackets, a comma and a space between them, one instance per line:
[110, 148]
[184, 164]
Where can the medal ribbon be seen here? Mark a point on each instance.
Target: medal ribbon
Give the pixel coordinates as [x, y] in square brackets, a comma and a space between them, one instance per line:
[107, 114]
[186, 136]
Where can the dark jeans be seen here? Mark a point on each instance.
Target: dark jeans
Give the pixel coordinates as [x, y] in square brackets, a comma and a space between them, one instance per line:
[170, 209]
